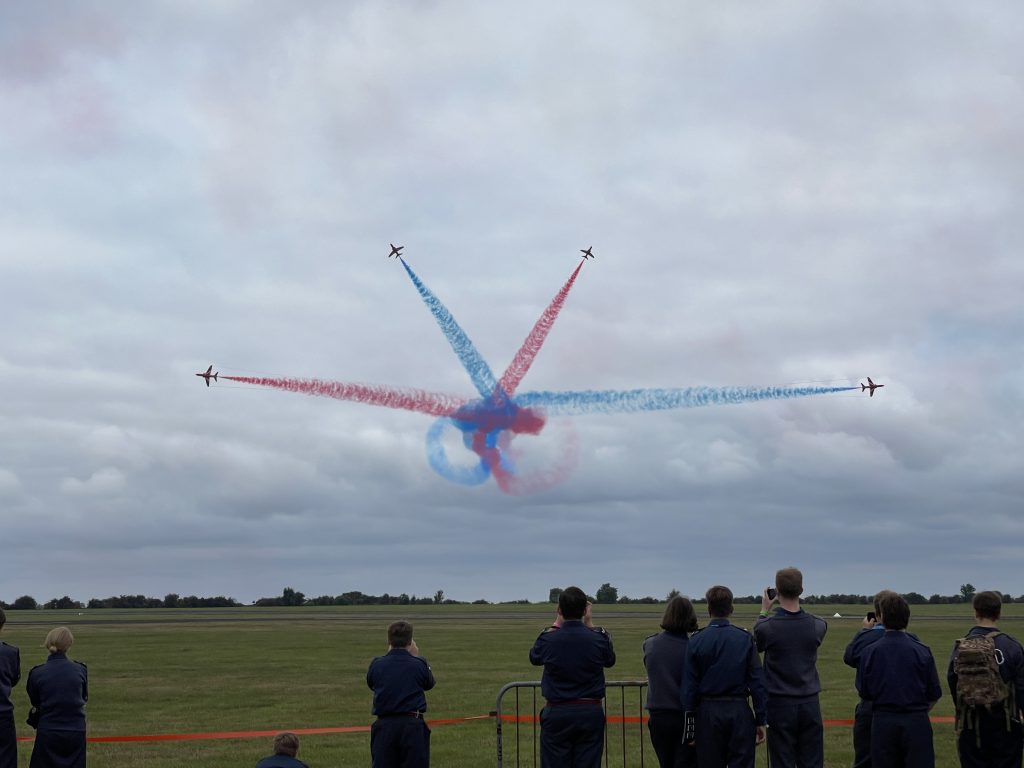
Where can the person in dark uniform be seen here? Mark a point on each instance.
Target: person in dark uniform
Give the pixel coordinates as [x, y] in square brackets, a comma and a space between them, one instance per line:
[722, 671]
[897, 675]
[399, 736]
[991, 737]
[59, 689]
[574, 654]
[789, 640]
[665, 662]
[286, 747]
[10, 674]
[871, 631]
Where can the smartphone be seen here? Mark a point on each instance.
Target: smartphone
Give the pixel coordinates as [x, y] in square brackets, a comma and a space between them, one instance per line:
[871, 616]
[772, 593]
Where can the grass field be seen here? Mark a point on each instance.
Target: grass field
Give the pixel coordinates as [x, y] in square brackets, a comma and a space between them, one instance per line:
[265, 669]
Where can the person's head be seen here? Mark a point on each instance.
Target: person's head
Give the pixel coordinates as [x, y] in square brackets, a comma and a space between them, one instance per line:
[893, 610]
[572, 603]
[679, 616]
[59, 640]
[287, 744]
[400, 634]
[790, 583]
[987, 605]
[719, 602]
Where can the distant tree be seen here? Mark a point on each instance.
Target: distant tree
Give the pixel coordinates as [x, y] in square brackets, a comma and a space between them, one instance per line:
[63, 603]
[554, 593]
[25, 603]
[291, 597]
[915, 598]
[439, 597]
[607, 594]
[673, 593]
[171, 600]
[481, 601]
[967, 592]
[1007, 597]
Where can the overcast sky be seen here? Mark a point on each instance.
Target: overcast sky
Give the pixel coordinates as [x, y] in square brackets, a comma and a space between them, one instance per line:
[775, 194]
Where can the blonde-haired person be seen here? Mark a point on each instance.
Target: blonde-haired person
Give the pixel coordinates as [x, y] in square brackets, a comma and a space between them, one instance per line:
[286, 747]
[59, 689]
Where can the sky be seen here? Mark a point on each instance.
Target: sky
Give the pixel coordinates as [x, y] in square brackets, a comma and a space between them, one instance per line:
[776, 195]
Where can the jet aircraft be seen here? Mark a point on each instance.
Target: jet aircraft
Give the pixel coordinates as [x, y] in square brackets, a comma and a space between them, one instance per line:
[395, 250]
[586, 252]
[209, 375]
[872, 386]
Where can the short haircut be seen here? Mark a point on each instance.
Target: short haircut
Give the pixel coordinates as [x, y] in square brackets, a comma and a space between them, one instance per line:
[287, 744]
[988, 605]
[572, 603]
[789, 582]
[399, 634]
[679, 616]
[59, 640]
[719, 601]
[894, 609]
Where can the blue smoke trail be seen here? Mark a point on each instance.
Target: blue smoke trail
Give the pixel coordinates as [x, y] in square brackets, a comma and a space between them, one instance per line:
[633, 400]
[479, 372]
[438, 458]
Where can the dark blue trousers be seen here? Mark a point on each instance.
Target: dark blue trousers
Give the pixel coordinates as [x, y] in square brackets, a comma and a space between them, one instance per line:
[796, 736]
[400, 742]
[58, 749]
[901, 740]
[571, 736]
[666, 727]
[862, 735]
[991, 744]
[8, 742]
[726, 734]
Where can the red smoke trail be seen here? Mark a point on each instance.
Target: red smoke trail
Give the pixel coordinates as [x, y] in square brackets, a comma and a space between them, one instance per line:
[524, 358]
[418, 400]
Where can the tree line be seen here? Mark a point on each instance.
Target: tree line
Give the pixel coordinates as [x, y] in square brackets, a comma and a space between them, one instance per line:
[606, 594]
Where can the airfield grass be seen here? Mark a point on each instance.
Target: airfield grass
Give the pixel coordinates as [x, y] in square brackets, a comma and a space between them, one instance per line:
[268, 669]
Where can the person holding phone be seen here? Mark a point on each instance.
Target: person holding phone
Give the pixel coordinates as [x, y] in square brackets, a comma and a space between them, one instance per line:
[574, 654]
[871, 631]
[789, 639]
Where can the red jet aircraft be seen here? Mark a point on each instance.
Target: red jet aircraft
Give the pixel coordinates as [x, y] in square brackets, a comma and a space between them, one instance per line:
[872, 386]
[210, 375]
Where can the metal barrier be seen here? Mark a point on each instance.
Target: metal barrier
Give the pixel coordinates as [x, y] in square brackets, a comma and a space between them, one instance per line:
[629, 742]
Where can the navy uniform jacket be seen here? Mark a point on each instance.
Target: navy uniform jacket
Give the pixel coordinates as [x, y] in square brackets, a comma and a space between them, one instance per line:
[1011, 668]
[398, 681]
[10, 674]
[897, 674]
[722, 662]
[280, 761]
[574, 658]
[790, 643]
[665, 662]
[59, 688]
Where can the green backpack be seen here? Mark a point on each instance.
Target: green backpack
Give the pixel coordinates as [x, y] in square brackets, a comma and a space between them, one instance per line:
[979, 683]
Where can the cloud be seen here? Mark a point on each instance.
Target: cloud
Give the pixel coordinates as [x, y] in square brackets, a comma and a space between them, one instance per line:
[103, 482]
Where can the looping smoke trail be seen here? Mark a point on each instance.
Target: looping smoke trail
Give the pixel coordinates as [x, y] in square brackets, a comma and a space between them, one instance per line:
[479, 372]
[418, 400]
[527, 353]
[633, 400]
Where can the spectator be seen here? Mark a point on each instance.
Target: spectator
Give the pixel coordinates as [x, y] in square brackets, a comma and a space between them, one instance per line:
[897, 675]
[58, 690]
[723, 670]
[986, 681]
[871, 631]
[10, 674]
[574, 654]
[399, 736]
[286, 747]
[789, 639]
[665, 662]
